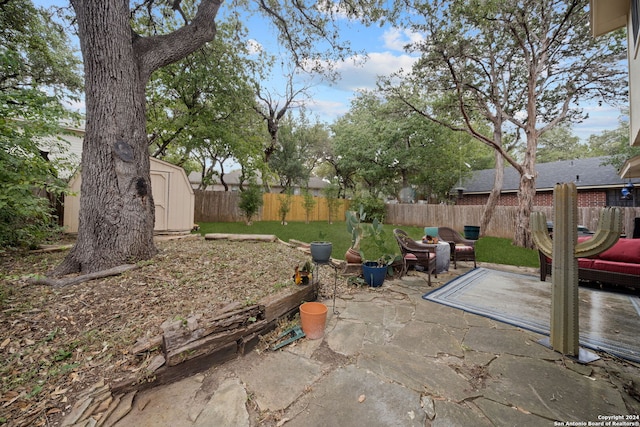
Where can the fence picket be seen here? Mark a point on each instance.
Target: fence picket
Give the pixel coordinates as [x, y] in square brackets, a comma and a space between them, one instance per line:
[222, 206]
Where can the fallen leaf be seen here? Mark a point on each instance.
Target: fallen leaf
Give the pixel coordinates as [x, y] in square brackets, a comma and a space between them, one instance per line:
[362, 398]
[59, 390]
[5, 343]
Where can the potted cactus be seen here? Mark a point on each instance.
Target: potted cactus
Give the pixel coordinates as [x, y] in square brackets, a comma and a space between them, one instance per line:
[355, 227]
[376, 270]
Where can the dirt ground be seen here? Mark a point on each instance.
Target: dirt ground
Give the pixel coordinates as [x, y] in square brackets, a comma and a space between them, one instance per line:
[57, 341]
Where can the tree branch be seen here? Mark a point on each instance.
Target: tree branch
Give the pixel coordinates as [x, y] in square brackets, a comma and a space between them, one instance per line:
[85, 277]
[157, 51]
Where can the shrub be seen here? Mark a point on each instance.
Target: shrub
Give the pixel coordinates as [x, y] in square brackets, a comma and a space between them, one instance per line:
[250, 201]
[373, 207]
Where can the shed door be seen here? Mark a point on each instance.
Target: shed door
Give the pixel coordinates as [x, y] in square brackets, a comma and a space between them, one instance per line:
[160, 191]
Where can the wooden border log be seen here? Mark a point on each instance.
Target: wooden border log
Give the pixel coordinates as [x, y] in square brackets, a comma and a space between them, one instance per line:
[177, 334]
[242, 237]
[169, 374]
[278, 305]
[210, 343]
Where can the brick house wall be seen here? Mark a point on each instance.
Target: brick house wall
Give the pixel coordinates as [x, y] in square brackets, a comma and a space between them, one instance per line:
[586, 199]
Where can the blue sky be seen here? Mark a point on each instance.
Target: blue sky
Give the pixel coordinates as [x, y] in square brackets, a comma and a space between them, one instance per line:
[384, 46]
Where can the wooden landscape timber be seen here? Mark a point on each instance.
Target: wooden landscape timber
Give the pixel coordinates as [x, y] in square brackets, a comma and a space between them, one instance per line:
[204, 340]
[242, 237]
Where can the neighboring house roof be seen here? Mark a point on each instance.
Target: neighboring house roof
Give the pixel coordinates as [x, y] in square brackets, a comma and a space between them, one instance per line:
[233, 179]
[586, 173]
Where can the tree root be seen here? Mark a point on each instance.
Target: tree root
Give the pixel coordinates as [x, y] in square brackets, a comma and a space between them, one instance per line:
[83, 278]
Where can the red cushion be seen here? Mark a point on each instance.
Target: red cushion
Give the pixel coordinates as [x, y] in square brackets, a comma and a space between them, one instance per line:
[464, 248]
[625, 250]
[585, 263]
[617, 267]
[411, 257]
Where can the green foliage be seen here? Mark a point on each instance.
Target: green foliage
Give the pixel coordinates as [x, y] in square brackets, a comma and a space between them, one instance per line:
[613, 143]
[308, 203]
[285, 206]
[250, 201]
[200, 110]
[398, 146]
[331, 193]
[560, 144]
[385, 252]
[37, 72]
[355, 226]
[301, 144]
[372, 206]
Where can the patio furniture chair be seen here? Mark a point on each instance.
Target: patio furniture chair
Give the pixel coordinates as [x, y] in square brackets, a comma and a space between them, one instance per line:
[415, 254]
[461, 249]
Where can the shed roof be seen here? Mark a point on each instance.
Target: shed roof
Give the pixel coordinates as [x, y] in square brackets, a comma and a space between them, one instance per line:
[586, 173]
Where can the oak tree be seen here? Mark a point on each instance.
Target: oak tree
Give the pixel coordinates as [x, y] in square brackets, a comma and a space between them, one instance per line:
[116, 205]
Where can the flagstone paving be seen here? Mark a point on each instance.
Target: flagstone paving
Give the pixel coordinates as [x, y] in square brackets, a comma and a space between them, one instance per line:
[390, 358]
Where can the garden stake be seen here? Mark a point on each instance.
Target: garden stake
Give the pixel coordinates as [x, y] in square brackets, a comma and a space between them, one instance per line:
[295, 332]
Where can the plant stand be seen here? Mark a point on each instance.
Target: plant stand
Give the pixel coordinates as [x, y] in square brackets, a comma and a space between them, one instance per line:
[316, 279]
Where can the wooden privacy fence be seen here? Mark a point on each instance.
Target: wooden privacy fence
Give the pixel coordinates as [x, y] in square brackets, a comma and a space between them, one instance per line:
[503, 220]
[222, 206]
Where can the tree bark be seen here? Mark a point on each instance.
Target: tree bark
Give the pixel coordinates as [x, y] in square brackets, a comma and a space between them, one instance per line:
[116, 206]
[494, 196]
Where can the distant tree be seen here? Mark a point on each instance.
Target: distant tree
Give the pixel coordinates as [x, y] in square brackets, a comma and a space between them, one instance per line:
[285, 200]
[272, 108]
[523, 67]
[560, 144]
[398, 146]
[38, 73]
[613, 143]
[201, 109]
[308, 203]
[301, 145]
[250, 201]
[331, 194]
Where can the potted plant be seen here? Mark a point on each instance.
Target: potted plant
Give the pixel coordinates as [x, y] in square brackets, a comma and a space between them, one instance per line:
[303, 276]
[375, 271]
[356, 228]
[321, 251]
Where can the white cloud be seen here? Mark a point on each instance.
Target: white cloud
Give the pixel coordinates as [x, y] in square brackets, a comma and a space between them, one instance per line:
[398, 38]
[356, 74]
[254, 47]
[327, 110]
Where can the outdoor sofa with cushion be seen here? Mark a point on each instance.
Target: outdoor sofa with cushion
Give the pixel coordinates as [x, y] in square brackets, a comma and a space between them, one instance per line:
[618, 265]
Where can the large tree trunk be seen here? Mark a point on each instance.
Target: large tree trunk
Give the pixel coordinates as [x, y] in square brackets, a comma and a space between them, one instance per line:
[494, 196]
[116, 207]
[527, 192]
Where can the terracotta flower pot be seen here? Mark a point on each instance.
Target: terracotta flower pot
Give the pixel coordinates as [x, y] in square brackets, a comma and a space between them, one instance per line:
[313, 317]
[353, 257]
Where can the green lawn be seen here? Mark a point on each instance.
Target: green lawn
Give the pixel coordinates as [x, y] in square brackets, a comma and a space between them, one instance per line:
[488, 249]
